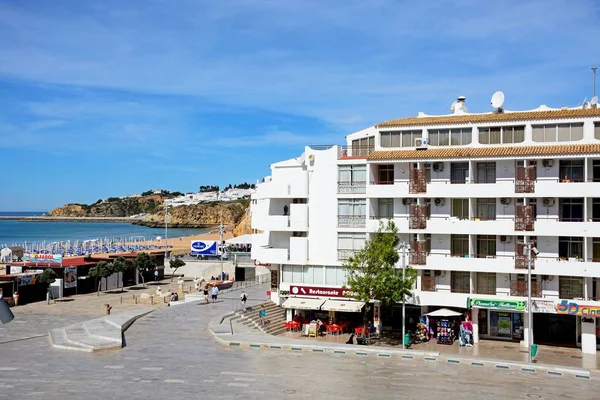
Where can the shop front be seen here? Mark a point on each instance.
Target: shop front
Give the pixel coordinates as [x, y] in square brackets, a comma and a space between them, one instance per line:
[584, 319]
[498, 319]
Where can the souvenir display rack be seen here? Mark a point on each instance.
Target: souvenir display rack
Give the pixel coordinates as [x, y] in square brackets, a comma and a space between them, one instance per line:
[445, 333]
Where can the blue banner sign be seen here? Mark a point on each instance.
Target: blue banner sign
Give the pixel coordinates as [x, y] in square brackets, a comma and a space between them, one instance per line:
[43, 258]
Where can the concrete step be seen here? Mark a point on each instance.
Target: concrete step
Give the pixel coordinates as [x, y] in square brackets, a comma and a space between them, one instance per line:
[58, 340]
[100, 329]
[77, 334]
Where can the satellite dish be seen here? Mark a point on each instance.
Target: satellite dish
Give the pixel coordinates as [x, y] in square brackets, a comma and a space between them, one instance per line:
[594, 100]
[453, 106]
[498, 100]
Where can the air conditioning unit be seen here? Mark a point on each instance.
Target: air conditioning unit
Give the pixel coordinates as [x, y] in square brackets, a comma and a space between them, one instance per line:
[503, 239]
[437, 272]
[548, 201]
[548, 163]
[438, 166]
[421, 144]
[505, 201]
[311, 157]
[405, 201]
[439, 202]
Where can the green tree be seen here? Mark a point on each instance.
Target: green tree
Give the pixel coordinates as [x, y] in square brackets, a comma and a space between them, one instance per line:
[121, 265]
[47, 277]
[175, 264]
[372, 272]
[102, 270]
[144, 262]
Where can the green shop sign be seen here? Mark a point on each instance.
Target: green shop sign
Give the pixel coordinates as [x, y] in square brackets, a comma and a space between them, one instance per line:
[497, 304]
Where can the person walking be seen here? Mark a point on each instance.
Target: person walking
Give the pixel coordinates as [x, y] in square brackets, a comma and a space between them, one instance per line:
[215, 292]
[206, 294]
[243, 299]
[262, 314]
[155, 275]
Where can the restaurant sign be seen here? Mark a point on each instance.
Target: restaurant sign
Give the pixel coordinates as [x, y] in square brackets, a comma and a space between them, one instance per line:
[317, 291]
[572, 307]
[510, 305]
[43, 258]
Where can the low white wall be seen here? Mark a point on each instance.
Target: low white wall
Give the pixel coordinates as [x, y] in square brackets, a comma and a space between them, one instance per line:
[204, 269]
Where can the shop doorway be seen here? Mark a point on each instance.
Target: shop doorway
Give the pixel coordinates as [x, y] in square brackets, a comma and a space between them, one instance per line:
[555, 330]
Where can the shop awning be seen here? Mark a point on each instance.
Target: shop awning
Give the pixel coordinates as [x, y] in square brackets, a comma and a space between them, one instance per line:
[302, 303]
[444, 312]
[343, 305]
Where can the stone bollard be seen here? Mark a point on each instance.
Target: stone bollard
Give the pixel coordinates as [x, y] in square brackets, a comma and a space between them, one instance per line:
[108, 308]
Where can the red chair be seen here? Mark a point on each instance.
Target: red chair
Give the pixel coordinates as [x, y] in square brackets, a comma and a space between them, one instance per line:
[294, 326]
[358, 331]
[287, 326]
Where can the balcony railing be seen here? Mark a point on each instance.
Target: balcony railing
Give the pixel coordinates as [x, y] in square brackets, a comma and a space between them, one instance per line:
[345, 254]
[352, 221]
[388, 216]
[428, 284]
[486, 289]
[460, 289]
[352, 187]
[571, 292]
[355, 151]
[519, 288]
[382, 182]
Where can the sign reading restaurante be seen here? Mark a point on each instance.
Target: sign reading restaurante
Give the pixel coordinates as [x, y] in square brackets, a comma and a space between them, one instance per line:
[317, 291]
[498, 304]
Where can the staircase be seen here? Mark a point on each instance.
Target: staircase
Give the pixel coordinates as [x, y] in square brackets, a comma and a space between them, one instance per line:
[250, 318]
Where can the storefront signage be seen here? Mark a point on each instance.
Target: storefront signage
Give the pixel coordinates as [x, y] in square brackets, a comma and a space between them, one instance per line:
[317, 291]
[26, 280]
[70, 277]
[43, 258]
[570, 307]
[543, 306]
[498, 304]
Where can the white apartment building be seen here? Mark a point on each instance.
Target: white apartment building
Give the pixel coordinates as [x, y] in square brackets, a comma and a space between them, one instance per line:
[466, 191]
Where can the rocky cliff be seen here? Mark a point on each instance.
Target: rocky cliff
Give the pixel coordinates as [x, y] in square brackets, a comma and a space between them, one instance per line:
[149, 211]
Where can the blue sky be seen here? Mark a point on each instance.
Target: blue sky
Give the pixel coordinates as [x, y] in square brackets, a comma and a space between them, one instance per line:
[109, 97]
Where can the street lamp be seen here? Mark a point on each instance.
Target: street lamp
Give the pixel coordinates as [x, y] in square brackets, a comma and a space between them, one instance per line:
[166, 230]
[403, 247]
[527, 249]
[6, 314]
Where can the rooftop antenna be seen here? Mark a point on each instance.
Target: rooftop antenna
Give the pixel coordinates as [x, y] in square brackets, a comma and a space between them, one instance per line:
[453, 106]
[498, 101]
[594, 71]
[594, 102]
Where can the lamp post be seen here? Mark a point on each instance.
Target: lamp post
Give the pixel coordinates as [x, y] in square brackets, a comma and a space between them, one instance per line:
[403, 247]
[166, 230]
[527, 249]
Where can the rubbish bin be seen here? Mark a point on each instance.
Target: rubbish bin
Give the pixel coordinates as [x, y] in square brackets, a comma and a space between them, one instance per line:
[534, 349]
[406, 339]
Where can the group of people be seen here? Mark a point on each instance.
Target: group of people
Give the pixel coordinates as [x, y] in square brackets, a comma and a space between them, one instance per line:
[214, 293]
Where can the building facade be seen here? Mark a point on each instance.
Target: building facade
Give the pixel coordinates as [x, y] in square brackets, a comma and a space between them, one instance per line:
[467, 192]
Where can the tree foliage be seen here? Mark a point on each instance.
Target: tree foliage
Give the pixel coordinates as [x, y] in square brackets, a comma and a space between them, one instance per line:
[47, 277]
[373, 273]
[102, 270]
[175, 264]
[144, 262]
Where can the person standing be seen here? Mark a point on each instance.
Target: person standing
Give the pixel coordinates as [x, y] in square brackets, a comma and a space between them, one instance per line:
[262, 314]
[155, 275]
[215, 292]
[243, 299]
[206, 294]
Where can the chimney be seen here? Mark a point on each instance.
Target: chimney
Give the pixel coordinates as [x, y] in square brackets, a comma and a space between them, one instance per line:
[460, 107]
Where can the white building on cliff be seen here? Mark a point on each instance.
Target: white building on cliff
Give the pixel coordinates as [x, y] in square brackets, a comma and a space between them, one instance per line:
[466, 191]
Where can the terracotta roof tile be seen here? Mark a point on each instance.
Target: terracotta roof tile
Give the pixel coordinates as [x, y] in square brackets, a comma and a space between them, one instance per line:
[484, 118]
[484, 152]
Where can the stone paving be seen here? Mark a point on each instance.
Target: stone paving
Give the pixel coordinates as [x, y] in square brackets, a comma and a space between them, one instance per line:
[170, 353]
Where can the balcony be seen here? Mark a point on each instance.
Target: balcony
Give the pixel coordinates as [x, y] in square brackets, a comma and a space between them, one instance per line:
[271, 255]
[374, 221]
[345, 254]
[556, 227]
[418, 216]
[446, 262]
[449, 189]
[486, 289]
[519, 288]
[525, 218]
[428, 284]
[418, 252]
[525, 180]
[346, 187]
[298, 250]
[352, 221]
[449, 225]
[278, 190]
[377, 189]
[354, 152]
[417, 181]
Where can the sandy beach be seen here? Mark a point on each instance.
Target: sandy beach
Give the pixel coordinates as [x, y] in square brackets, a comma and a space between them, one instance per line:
[181, 245]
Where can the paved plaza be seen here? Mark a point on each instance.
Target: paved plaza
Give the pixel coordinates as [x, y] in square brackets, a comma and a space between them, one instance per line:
[171, 354]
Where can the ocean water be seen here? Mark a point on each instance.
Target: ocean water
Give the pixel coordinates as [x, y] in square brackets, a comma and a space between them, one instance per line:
[17, 232]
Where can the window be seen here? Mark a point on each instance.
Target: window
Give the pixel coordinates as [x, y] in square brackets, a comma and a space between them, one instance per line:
[460, 281]
[385, 208]
[450, 137]
[596, 209]
[352, 178]
[335, 276]
[313, 274]
[351, 212]
[557, 132]
[570, 247]
[502, 135]
[570, 210]
[486, 209]
[293, 273]
[400, 138]
[486, 283]
[349, 244]
[363, 147]
[385, 174]
[459, 172]
[597, 130]
[570, 287]
[460, 208]
[571, 171]
[596, 249]
[460, 245]
[486, 246]
[486, 172]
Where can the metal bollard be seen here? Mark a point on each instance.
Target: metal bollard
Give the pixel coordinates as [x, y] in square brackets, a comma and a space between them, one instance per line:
[108, 308]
